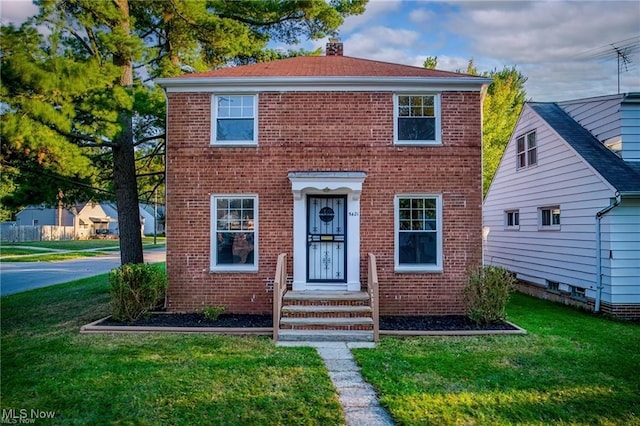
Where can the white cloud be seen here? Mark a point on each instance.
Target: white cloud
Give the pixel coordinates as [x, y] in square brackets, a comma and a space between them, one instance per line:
[374, 9]
[551, 43]
[421, 16]
[529, 32]
[16, 11]
[381, 43]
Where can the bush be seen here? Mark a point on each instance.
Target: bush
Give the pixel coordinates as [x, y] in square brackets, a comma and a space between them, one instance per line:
[136, 289]
[213, 312]
[487, 293]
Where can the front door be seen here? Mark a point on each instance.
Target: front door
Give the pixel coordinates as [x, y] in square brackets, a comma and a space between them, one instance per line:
[326, 242]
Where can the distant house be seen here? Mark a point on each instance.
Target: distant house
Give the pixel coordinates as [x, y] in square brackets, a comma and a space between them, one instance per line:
[563, 211]
[87, 219]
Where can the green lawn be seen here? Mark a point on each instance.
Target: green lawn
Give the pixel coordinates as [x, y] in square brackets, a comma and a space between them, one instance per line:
[150, 379]
[571, 368]
[47, 251]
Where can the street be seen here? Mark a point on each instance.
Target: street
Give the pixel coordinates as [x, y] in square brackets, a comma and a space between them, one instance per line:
[20, 276]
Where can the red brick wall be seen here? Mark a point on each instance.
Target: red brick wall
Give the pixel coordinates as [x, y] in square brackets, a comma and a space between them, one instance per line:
[332, 131]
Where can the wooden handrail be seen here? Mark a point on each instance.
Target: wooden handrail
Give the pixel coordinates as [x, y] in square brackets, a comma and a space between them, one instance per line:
[372, 288]
[279, 289]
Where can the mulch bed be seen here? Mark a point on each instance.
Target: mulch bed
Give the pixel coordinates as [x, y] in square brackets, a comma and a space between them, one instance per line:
[405, 323]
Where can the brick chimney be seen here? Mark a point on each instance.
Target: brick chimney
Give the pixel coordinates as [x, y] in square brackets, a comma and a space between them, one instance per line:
[334, 47]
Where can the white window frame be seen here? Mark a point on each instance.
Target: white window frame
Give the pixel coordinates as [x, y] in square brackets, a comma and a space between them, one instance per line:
[437, 113]
[418, 268]
[516, 222]
[214, 234]
[551, 226]
[527, 150]
[214, 121]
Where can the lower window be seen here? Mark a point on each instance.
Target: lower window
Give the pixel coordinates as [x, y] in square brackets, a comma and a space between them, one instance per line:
[549, 217]
[234, 237]
[418, 220]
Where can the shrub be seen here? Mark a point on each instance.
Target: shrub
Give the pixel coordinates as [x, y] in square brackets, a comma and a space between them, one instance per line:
[213, 312]
[136, 289]
[487, 293]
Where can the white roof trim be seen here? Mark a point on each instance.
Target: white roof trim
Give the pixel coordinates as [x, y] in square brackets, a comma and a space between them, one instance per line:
[316, 84]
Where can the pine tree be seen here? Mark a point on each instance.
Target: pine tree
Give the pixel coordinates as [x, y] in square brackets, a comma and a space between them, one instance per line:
[80, 97]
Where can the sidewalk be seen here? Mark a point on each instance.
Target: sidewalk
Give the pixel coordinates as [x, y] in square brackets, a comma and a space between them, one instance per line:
[357, 397]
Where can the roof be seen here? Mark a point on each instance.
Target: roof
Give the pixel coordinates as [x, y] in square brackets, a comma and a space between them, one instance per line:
[623, 176]
[317, 73]
[323, 66]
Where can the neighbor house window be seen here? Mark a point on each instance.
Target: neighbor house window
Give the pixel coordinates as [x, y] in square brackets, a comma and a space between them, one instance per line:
[235, 120]
[512, 219]
[417, 119]
[578, 293]
[549, 217]
[234, 233]
[418, 239]
[527, 150]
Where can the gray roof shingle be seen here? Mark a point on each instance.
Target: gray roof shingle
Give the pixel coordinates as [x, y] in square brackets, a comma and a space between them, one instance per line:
[624, 176]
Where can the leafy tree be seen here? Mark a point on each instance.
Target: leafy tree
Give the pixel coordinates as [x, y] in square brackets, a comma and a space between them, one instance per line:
[501, 107]
[431, 62]
[77, 99]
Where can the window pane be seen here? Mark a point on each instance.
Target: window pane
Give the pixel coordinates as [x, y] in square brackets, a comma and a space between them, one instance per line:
[416, 129]
[520, 145]
[521, 160]
[546, 217]
[416, 101]
[531, 140]
[417, 248]
[532, 157]
[234, 130]
[403, 100]
[555, 217]
[403, 111]
[234, 243]
[235, 248]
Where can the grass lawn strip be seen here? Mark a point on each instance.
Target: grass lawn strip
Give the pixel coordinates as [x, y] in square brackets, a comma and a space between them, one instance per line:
[571, 368]
[151, 378]
[51, 251]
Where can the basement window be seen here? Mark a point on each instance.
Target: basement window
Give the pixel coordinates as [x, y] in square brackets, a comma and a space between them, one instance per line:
[578, 293]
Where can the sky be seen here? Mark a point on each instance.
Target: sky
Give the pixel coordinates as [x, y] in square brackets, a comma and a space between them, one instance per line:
[564, 48]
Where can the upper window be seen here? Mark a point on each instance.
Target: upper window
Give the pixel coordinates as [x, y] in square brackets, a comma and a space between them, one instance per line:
[512, 219]
[549, 217]
[527, 150]
[235, 120]
[417, 119]
[234, 237]
[418, 245]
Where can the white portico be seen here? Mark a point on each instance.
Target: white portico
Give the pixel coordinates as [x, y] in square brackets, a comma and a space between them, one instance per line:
[326, 230]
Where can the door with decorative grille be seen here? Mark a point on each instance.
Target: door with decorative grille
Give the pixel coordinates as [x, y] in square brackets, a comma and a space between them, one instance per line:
[326, 238]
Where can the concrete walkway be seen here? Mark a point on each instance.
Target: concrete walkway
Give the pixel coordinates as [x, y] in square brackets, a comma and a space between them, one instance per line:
[357, 397]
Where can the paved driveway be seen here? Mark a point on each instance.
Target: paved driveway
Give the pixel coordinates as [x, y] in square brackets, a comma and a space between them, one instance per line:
[20, 276]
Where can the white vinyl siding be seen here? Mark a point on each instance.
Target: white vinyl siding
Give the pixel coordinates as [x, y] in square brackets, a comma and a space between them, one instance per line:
[561, 179]
[620, 251]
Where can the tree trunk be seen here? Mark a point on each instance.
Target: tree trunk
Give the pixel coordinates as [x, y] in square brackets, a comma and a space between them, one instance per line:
[124, 164]
[124, 176]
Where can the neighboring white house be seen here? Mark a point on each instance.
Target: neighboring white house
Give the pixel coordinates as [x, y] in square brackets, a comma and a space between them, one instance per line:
[86, 218]
[563, 210]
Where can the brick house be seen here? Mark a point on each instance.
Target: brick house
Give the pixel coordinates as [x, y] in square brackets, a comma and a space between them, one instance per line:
[326, 159]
